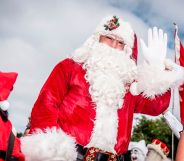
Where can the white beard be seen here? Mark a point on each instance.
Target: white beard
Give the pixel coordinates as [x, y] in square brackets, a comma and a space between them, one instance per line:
[108, 72]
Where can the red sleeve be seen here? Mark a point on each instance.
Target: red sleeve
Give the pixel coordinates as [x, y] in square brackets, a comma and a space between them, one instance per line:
[154, 106]
[45, 111]
[17, 150]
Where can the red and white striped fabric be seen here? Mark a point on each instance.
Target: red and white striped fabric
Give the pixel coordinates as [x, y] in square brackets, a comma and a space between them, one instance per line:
[179, 50]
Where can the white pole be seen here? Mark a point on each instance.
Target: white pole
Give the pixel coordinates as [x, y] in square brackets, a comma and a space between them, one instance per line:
[172, 131]
[173, 103]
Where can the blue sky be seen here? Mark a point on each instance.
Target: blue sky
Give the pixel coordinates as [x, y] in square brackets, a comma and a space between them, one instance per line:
[37, 34]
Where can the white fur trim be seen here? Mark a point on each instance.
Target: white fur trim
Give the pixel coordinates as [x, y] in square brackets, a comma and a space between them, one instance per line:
[50, 145]
[105, 129]
[124, 31]
[153, 80]
[133, 89]
[158, 149]
[4, 105]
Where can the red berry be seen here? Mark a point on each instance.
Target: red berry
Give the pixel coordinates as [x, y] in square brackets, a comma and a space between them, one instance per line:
[163, 145]
[157, 141]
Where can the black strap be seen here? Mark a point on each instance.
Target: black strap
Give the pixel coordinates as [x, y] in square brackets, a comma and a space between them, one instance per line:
[101, 157]
[10, 146]
[2, 154]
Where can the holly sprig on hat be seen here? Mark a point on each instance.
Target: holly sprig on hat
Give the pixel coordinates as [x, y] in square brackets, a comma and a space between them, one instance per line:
[112, 24]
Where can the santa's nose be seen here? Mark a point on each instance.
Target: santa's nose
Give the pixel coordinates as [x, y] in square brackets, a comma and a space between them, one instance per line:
[114, 43]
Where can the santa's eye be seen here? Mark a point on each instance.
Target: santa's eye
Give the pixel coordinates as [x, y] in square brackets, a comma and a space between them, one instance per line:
[110, 38]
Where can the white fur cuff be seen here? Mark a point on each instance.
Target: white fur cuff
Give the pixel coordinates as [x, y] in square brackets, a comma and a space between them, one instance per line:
[53, 144]
[152, 80]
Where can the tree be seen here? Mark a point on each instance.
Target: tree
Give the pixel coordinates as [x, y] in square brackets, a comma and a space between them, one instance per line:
[150, 129]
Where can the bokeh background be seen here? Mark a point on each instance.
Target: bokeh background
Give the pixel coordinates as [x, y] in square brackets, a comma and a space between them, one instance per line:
[37, 34]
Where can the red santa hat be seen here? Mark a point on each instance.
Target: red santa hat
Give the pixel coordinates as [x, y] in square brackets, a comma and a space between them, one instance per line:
[7, 81]
[113, 25]
[159, 147]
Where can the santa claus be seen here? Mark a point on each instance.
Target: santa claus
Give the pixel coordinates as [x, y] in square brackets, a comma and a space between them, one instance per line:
[85, 108]
[9, 143]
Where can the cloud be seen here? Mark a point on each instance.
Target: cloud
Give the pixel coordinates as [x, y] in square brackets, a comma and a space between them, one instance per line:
[36, 35]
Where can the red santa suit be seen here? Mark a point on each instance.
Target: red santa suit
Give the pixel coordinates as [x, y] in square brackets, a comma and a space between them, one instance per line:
[65, 102]
[87, 98]
[6, 85]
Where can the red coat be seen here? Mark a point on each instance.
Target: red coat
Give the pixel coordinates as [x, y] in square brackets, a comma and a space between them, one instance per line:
[5, 130]
[65, 102]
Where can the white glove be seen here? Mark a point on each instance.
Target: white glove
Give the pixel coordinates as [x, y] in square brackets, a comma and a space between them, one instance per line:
[173, 123]
[155, 52]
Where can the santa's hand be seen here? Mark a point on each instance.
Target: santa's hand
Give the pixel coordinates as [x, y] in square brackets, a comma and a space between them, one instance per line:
[155, 52]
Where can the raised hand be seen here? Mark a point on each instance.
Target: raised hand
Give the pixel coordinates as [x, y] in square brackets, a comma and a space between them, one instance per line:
[155, 52]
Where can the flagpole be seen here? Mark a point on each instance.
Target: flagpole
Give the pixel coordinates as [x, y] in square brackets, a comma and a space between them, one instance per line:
[173, 97]
[172, 131]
